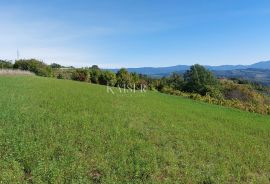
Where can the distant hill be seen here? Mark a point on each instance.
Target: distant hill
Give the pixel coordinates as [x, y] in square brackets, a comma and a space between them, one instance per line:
[259, 72]
[256, 75]
[157, 70]
[261, 65]
[178, 68]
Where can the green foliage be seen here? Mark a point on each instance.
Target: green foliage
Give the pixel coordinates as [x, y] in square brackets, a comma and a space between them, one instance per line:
[60, 76]
[80, 75]
[95, 73]
[199, 80]
[123, 78]
[135, 80]
[55, 65]
[198, 84]
[255, 103]
[60, 131]
[161, 84]
[242, 92]
[63, 73]
[254, 85]
[246, 94]
[107, 78]
[5, 64]
[35, 66]
[175, 81]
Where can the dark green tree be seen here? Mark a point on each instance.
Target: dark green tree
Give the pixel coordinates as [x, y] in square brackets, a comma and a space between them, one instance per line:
[107, 78]
[95, 67]
[200, 80]
[5, 64]
[55, 65]
[123, 78]
[95, 73]
[35, 66]
[175, 81]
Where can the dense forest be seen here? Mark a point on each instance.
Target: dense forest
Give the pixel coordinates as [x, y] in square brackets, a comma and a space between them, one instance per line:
[196, 83]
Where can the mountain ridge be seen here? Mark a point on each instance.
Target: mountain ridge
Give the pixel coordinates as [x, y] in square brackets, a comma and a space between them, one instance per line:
[257, 72]
[178, 68]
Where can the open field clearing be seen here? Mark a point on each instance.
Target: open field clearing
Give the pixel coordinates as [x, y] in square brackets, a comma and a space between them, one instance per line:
[59, 131]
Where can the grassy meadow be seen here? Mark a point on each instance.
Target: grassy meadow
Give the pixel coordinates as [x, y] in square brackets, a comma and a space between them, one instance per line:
[60, 131]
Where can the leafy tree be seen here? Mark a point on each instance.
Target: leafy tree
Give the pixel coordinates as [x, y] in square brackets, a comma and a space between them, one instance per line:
[35, 66]
[80, 75]
[95, 73]
[95, 67]
[107, 78]
[200, 80]
[161, 83]
[135, 80]
[123, 78]
[175, 81]
[55, 65]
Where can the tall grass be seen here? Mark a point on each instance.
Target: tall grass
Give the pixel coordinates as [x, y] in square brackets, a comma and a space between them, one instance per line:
[14, 72]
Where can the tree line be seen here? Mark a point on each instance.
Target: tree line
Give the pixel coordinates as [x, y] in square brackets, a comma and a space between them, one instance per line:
[196, 80]
[196, 83]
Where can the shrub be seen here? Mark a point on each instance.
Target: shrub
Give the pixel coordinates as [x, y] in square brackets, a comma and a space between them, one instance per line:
[60, 76]
[80, 75]
[261, 107]
[35, 66]
[5, 64]
[63, 73]
[241, 92]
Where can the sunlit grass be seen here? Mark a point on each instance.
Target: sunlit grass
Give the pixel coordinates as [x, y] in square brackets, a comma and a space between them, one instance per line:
[63, 131]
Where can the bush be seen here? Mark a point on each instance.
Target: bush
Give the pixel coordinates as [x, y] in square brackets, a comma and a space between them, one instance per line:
[5, 64]
[35, 66]
[60, 76]
[80, 75]
[258, 107]
[241, 92]
[63, 73]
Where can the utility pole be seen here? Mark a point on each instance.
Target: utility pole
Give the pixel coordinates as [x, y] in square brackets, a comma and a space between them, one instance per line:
[18, 54]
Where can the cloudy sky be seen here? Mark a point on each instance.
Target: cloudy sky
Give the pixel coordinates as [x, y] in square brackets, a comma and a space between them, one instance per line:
[135, 33]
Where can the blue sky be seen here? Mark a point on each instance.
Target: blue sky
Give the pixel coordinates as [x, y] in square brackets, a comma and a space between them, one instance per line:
[135, 33]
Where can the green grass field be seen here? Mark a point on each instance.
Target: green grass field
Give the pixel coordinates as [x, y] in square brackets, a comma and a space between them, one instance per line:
[57, 131]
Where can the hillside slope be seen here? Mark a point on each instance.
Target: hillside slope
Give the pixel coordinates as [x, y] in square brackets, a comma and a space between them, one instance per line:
[64, 131]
